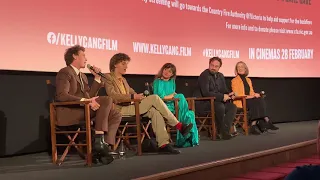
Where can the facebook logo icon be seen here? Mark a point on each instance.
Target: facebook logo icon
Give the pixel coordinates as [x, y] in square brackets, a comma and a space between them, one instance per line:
[51, 37]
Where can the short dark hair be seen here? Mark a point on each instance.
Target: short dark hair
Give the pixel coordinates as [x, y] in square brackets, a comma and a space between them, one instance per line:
[215, 59]
[74, 50]
[118, 58]
[167, 66]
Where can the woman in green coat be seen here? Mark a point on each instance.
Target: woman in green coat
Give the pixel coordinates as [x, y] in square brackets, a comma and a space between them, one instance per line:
[165, 87]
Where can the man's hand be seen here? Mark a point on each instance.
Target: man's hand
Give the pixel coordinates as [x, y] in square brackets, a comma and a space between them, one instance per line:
[226, 97]
[232, 95]
[257, 95]
[93, 103]
[95, 72]
[138, 96]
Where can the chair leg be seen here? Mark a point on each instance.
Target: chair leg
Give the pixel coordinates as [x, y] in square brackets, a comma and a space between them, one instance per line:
[54, 147]
[53, 135]
[88, 135]
[214, 131]
[245, 122]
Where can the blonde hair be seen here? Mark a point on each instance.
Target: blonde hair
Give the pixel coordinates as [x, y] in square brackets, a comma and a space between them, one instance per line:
[245, 67]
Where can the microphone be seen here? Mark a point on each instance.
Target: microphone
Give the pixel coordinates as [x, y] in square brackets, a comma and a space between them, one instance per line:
[146, 92]
[262, 94]
[91, 68]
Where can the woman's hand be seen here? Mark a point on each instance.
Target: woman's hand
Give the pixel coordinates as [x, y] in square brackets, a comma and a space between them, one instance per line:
[170, 96]
[250, 97]
[257, 95]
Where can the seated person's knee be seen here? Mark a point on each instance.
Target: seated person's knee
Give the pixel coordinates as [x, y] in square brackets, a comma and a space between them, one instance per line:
[233, 107]
[105, 100]
[154, 97]
[219, 107]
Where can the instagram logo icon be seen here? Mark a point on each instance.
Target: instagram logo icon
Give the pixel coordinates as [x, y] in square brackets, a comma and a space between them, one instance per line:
[51, 37]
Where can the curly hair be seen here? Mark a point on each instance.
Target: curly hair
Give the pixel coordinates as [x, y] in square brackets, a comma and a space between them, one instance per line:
[74, 50]
[117, 58]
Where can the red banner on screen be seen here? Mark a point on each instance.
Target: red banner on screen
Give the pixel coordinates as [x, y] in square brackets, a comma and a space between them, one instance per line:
[275, 38]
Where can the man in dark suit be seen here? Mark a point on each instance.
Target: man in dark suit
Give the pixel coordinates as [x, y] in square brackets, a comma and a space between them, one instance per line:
[72, 85]
[211, 83]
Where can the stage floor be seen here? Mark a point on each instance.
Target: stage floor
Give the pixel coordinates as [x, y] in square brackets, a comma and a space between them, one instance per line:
[39, 166]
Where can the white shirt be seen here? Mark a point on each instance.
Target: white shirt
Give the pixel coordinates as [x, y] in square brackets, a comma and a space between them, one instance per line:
[77, 72]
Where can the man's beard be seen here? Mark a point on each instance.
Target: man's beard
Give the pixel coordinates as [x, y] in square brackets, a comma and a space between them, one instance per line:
[213, 72]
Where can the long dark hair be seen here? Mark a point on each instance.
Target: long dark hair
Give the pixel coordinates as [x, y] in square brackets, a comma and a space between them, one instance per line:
[167, 66]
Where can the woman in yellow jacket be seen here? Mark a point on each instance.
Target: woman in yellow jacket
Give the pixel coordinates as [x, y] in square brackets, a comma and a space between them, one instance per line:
[242, 86]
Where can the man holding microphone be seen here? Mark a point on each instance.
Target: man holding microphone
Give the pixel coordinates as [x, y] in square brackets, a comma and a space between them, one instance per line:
[72, 85]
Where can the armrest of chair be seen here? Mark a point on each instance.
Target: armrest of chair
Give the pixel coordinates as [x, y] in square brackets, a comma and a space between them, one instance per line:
[171, 99]
[240, 98]
[200, 98]
[70, 103]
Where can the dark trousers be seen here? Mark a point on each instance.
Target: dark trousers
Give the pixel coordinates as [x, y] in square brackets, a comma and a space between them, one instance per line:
[224, 114]
[257, 108]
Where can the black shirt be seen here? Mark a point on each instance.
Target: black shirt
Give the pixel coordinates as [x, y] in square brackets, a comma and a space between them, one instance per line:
[211, 85]
[246, 85]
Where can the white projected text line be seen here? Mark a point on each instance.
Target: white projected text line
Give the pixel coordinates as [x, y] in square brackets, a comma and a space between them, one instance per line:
[161, 49]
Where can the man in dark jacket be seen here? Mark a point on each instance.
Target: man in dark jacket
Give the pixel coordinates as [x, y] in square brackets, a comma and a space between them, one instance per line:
[211, 83]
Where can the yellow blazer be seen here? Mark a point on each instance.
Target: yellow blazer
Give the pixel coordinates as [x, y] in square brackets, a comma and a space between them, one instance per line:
[238, 88]
[113, 90]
